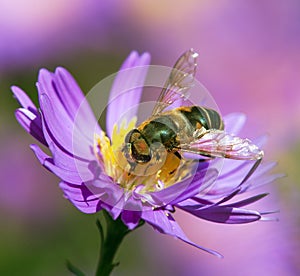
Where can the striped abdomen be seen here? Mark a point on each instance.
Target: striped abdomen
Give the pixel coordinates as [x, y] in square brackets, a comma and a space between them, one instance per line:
[206, 117]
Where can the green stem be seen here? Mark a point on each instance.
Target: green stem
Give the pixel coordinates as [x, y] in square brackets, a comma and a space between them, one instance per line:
[110, 242]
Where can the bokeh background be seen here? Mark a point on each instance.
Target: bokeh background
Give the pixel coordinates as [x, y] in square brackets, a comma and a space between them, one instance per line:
[249, 61]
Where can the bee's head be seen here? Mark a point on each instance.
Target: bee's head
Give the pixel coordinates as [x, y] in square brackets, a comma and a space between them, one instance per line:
[136, 147]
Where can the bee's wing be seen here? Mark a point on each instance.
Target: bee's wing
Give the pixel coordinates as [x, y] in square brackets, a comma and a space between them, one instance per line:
[180, 80]
[218, 143]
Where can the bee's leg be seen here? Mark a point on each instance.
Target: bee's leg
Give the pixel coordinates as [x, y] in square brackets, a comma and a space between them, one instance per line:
[132, 167]
[170, 166]
[177, 155]
[251, 171]
[206, 159]
[173, 162]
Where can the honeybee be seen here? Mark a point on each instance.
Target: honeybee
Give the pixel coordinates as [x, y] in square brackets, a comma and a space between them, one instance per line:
[186, 129]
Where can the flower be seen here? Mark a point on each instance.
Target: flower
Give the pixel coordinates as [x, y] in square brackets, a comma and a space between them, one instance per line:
[94, 176]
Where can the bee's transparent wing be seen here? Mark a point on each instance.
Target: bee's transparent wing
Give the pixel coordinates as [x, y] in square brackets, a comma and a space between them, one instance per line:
[218, 143]
[179, 82]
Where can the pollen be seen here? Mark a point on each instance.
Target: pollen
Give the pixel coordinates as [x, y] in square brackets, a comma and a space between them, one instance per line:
[154, 176]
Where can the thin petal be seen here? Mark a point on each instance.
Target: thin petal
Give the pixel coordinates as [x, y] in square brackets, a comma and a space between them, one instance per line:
[64, 174]
[111, 195]
[234, 171]
[127, 90]
[78, 195]
[201, 204]
[223, 214]
[68, 117]
[261, 176]
[66, 160]
[86, 168]
[203, 182]
[24, 100]
[227, 197]
[31, 123]
[254, 183]
[74, 102]
[70, 94]
[247, 201]
[185, 189]
[165, 223]
[115, 205]
[62, 131]
[132, 213]
[131, 218]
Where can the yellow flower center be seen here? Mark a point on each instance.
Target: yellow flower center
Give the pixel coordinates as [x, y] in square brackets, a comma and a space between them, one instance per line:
[155, 175]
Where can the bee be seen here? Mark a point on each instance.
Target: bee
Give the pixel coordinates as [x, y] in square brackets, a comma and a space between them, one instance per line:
[186, 129]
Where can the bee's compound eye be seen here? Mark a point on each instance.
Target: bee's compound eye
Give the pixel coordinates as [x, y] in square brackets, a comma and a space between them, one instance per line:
[136, 148]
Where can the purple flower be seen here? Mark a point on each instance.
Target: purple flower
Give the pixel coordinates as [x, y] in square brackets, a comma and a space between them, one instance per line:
[93, 174]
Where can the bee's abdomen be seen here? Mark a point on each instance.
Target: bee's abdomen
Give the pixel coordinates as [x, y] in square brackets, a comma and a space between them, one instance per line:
[206, 117]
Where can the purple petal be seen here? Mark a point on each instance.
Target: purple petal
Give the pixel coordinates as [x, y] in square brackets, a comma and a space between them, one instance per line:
[127, 90]
[254, 183]
[67, 116]
[68, 161]
[206, 204]
[247, 201]
[234, 122]
[111, 195]
[31, 123]
[64, 174]
[203, 182]
[224, 186]
[234, 169]
[227, 197]
[233, 172]
[185, 189]
[131, 218]
[115, 205]
[78, 195]
[132, 213]
[261, 177]
[75, 103]
[24, 100]
[70, 94]
[223, 214]
[165, 223]
[199, 200]
[90, 196]
[94, 195]
[87, 168]
[59, 128]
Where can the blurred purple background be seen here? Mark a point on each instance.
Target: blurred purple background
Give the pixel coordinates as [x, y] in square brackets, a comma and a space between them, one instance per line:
[249, 61]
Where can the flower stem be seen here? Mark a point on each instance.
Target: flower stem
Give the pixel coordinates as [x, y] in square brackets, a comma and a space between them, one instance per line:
[111, 239]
